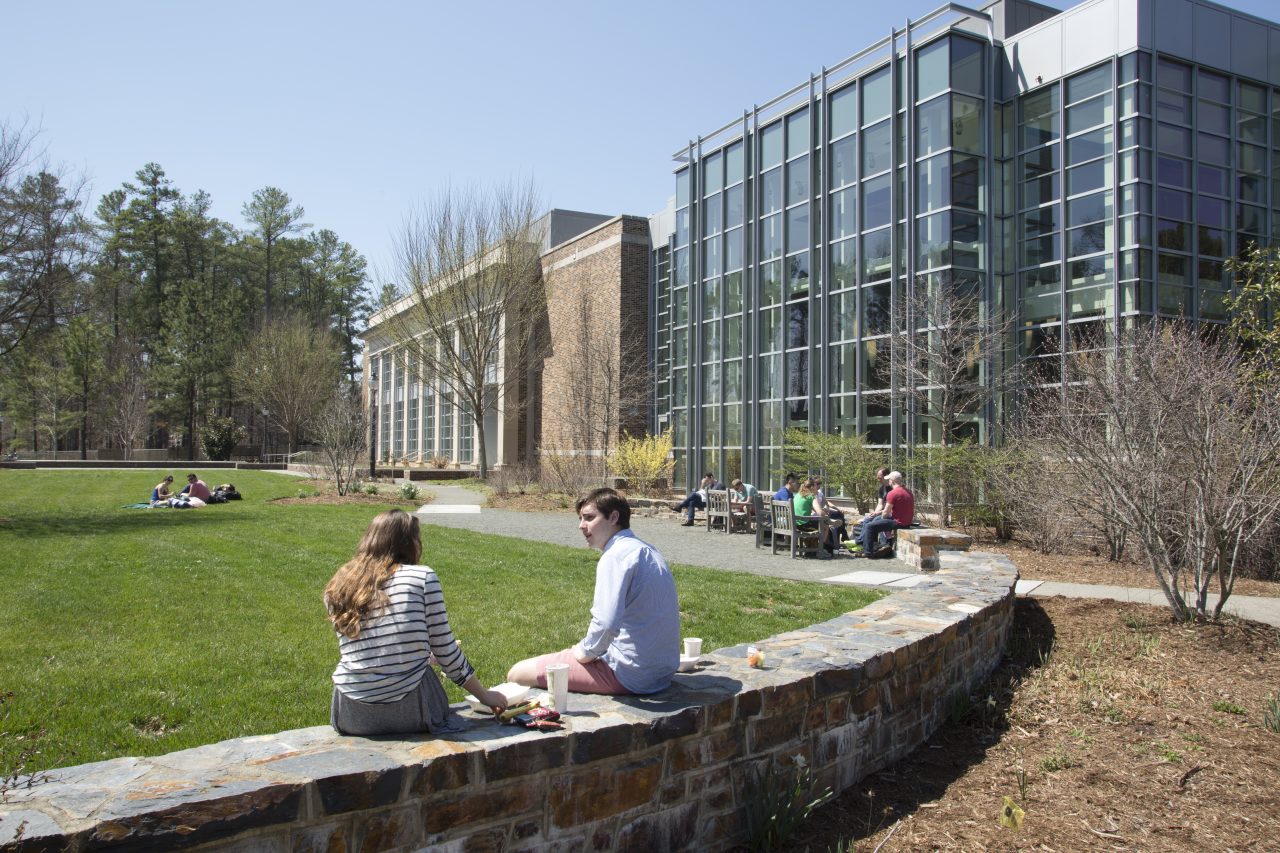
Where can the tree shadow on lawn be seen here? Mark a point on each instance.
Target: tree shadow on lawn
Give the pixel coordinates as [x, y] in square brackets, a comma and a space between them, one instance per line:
[972, 728]
[98, 522]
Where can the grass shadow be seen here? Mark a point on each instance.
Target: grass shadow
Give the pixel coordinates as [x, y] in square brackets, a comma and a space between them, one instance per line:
[962, 742]
[94, 523]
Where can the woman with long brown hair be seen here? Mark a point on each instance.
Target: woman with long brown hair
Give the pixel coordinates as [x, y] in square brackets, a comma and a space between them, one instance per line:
[390, 618]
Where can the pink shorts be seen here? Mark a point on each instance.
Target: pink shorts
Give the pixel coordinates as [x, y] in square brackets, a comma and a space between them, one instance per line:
[593, 677]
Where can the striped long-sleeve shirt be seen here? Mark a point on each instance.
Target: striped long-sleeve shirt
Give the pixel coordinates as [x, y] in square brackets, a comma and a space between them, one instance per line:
[391, 653]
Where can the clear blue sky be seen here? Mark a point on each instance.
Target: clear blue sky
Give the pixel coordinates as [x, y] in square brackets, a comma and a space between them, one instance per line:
[360, 109]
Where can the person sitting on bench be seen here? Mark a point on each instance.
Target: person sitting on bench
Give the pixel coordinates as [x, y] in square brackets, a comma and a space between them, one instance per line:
[899, 511]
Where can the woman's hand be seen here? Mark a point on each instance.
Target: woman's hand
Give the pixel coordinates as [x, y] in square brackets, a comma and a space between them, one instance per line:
[495, 700]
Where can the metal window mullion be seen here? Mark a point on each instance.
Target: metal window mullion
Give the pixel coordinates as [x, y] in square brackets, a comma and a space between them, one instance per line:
[988, 322]
[696, 215]
[895, 411]
[816, 391]
[751, 286]
[911, 230]
[1063, 268]
[1153, 214]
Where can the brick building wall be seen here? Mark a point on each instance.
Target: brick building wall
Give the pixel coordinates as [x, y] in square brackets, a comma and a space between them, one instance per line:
[594, 379]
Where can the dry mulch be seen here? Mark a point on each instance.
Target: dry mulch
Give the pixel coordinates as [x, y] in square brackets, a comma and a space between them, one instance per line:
[530, 502]
[324, 492]
[1088, 568]
[1110, 726]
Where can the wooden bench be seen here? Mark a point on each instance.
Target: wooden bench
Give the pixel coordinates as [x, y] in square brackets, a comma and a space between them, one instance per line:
[803, 541]
[718, 507]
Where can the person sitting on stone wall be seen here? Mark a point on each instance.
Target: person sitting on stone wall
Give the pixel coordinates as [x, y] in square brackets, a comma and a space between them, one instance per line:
[697, 499]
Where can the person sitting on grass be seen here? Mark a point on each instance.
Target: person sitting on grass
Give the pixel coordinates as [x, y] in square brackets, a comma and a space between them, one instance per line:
[633, 642]
[196, 488]
[899, 511]
[160, 494]
[388, 612]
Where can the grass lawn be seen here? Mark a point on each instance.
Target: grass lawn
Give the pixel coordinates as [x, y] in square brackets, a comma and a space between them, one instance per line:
[137, 632]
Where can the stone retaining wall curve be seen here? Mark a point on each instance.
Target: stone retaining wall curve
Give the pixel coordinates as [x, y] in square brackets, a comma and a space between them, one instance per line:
[665, 772]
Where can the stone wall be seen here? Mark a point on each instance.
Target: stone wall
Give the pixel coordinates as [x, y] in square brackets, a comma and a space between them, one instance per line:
[665, 772]
[920, 547]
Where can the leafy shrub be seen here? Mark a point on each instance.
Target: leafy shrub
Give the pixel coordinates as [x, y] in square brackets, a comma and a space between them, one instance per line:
[642, 461]
[408, 491]
[779, 799]
[371, 488]
[1271, 714]
[220, 437]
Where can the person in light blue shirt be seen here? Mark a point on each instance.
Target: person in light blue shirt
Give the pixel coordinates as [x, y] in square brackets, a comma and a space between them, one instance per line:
[633, 642]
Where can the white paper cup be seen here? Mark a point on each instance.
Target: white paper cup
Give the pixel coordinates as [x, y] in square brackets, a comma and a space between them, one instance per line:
[558, 686]
[692, 646]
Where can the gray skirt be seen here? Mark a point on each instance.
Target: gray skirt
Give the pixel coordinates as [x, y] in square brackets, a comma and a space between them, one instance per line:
[423, 709]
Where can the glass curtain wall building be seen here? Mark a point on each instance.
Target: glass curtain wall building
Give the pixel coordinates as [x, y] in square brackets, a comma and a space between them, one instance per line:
[1078, 169]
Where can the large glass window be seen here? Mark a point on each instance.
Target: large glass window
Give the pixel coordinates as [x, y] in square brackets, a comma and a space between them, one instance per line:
[876, 202]
[876, 96]
[844, 162]
[1039, 121]
[933, 126]
[771, 145]
[877, 149]
[844, 111]
[933, 64]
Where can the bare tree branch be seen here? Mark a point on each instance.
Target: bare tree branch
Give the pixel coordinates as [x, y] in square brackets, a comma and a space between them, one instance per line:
[470, 269]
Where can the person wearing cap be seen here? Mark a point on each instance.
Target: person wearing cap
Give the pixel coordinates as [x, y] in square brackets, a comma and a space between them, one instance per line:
[160, 494]
[882, 491]
[899, 511]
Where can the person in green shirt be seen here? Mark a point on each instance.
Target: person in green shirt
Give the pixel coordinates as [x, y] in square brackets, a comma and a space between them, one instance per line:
[802, 505]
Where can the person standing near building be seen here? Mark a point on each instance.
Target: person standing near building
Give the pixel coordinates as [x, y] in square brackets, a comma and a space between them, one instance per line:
[633, 642]
[899, 511]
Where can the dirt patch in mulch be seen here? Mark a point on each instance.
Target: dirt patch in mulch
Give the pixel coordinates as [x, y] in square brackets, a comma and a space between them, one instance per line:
[1089, 568]
[1110, 726]
[531, 502]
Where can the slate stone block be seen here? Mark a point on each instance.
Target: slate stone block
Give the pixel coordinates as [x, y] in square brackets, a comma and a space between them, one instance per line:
[598, 793]
[492, 803]
[524, 757]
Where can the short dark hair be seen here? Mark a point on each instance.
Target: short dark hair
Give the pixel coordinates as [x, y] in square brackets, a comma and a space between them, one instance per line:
[711, 474]
[791, 475]
[607, 502]
[192, 477]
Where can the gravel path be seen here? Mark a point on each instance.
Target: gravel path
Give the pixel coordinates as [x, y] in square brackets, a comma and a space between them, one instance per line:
[457, 507]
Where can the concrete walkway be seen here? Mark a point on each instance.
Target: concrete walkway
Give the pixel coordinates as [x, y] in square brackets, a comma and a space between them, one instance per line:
[458, 507]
